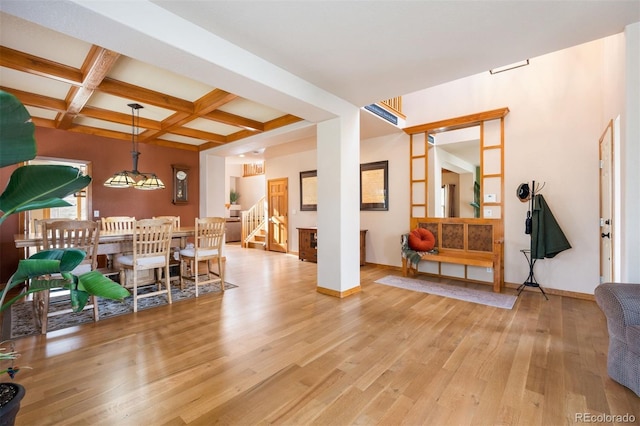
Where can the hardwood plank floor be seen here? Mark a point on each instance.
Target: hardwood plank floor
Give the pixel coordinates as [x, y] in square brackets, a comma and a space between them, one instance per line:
[274, 351]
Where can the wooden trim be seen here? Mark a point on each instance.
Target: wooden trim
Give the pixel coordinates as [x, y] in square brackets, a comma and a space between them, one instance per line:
[464, 256]
[339, 294]
[457, 122]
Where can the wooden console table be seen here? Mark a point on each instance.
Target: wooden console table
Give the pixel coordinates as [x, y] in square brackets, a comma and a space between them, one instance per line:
[308, 245]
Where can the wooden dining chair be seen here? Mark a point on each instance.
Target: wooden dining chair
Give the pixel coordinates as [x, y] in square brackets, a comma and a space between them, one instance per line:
[174, 219]
[118, 223]
[151, 248]
[174, 262]
[61, 234]
[209, 236]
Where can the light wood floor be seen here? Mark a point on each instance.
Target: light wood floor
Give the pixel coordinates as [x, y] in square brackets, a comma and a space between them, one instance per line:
[274, 350]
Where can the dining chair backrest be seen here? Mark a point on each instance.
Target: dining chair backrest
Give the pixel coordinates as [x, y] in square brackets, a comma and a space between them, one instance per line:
[174, 219]
[38, 223]
[118, 223]
[209, 233]
[80, 234]
[151, 239]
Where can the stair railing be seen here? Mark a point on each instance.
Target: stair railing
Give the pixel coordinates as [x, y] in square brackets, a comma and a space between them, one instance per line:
[254, 220]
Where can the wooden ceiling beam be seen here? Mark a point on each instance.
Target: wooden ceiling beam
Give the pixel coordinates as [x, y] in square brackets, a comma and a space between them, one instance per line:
[118, 117]
[239, 135]
[39, 101]
[199, 134]
[209, 145]
[95, 68]
[93, 76]
[142, 95]
[269, 125]
[174, 145]
[174, 121]
[235, 120]
[106, 133]
[285, 120]
[212, 101]
[35, 65]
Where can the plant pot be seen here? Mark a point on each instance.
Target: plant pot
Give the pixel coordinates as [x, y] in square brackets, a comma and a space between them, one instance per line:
[11, 395]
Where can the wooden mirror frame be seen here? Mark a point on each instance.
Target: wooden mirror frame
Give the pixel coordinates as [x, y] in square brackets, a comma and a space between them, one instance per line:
[419, 181]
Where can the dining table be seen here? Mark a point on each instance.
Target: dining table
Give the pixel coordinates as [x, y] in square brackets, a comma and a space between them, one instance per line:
[110, 243]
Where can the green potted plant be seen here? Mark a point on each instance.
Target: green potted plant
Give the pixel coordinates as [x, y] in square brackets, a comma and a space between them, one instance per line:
[233, 196]
[11, 394]
[32, 187]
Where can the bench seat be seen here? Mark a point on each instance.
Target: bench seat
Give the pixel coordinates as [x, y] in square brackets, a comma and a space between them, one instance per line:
[462, 241]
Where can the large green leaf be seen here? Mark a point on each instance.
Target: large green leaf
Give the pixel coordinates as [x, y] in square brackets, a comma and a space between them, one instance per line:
[17, 142]
[31, 268]
[61, 261]
[69, 258]
[37, 186]
[97, 284]
[46, 262]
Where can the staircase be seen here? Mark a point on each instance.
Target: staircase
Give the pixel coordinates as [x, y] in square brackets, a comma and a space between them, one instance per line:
[258, 241]
[254, 226]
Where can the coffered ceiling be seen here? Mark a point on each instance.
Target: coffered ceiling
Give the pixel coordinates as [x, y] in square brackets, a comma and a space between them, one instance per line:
[72, 85]
[234, 76]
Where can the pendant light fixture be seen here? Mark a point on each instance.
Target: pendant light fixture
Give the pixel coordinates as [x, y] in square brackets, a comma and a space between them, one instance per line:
[134, 178]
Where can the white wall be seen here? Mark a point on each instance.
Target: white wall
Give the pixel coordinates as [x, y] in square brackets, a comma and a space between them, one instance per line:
[290, 166]
[559, 106]
[551, 136]
[385, 227]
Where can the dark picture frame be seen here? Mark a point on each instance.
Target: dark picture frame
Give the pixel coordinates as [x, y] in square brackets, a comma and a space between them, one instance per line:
[374, 186]
[309, 190]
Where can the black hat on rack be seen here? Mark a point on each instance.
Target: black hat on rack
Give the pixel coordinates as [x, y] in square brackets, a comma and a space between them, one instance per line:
[523, 192]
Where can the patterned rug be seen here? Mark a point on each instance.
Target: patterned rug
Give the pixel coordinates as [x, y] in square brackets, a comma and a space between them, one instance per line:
[498, 300]
[20, 321]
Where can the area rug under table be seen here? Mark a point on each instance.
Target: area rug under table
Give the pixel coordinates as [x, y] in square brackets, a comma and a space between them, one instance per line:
[497, 300]
[21, 320]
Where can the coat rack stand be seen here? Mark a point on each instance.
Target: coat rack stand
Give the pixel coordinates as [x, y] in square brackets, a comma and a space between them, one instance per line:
[531, 279]
[531, 261]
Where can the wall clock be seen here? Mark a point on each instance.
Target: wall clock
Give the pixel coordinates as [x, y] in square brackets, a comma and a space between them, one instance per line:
[180, 184]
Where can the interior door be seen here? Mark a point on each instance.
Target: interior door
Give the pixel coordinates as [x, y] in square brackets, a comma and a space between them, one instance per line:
[277, 196]
[606, 205]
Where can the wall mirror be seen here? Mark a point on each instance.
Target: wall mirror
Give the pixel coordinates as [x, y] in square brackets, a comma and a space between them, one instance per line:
[454, 173]
[457, 166]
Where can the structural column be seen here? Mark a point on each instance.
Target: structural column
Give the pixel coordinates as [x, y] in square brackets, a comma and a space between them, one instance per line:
[213, 185]
[338, 147]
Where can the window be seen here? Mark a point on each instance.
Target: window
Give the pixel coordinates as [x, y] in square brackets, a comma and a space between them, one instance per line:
[80, 201]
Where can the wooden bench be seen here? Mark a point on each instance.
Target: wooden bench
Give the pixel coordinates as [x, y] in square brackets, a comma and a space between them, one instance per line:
[463, 241]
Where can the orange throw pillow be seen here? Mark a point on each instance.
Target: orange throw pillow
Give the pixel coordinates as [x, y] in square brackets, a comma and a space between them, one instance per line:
[421, 239]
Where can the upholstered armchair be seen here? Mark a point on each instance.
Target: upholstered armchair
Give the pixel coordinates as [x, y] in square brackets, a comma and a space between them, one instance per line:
[621, 305]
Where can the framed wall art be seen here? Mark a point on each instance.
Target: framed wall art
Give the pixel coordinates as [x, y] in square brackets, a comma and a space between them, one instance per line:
[309, 190]
[374, 186]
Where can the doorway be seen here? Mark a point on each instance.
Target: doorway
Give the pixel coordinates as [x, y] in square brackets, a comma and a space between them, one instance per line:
[277, 214]
[606, 205]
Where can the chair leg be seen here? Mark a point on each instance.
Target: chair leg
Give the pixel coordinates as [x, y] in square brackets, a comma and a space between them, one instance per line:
[96, 313]
[221, 272]
[184, 266]
[135, 290]
[167, 282]
[181, 272]
[44, 315]
[195, 271]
